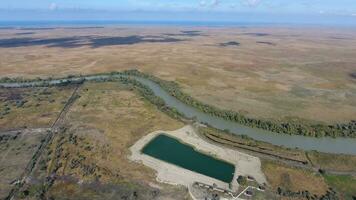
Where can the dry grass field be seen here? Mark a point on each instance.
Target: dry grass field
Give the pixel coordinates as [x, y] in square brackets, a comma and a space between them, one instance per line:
[325, 161]
[346, 185]
[277, 73]
[89, 158]
[251, 146]
[293, 179]
[115, 118]
[16, 150]
[31, 107]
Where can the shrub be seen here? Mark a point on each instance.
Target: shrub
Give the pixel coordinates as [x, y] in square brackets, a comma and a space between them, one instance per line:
[242, 180]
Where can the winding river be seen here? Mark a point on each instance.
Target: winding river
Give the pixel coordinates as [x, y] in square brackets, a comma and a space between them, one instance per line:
[325, 144]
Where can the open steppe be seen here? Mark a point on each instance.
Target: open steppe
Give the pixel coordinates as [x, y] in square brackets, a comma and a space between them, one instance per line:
[86, 156]
[16, 150]
[280, 73]
[31, 107]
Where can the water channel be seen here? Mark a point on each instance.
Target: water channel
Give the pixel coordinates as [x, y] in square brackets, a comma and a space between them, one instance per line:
[325, 144]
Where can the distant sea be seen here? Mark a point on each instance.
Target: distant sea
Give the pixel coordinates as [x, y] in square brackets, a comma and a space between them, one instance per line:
[17, 24]
[97, 23]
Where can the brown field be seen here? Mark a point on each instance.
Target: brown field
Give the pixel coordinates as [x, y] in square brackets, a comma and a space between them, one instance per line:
[31, 107]
[116, 118]
[333, 162]
[252, 146]
[89, 157]
[16, 150]
[293, 179]
[277, 72]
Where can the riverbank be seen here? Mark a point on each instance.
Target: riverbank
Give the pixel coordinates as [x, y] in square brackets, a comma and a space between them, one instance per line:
[147, 93]
[295, 127]
[153, 92]
[245, 165]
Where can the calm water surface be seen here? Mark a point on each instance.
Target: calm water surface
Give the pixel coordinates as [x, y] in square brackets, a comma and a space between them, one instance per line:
[172, 151]
[325, 144]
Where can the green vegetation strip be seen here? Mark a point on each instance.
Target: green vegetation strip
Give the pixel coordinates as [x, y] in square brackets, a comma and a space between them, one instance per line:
[291, 128]
[345, 185]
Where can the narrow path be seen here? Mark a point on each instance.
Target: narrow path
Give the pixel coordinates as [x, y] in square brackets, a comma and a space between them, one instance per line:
[53, 130]
[343, 143]
[326, 144]
[66, 107]
[309, 160]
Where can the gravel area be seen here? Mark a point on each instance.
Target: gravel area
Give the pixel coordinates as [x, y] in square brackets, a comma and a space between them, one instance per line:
[172, 174]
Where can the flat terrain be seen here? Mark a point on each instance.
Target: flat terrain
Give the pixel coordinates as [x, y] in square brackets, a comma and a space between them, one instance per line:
[16, 150]
[345, 184]
[293, 179]
[244, 164]
[274, 73]
[277, 73]
[89, 156]
[31, 107]
[331, 162]
[117, 117]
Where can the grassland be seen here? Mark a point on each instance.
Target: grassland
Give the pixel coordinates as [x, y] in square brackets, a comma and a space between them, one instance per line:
[293, 179]
[305, 75]
[277, 162]
[346, 185]
[252, 146]
[120, 116]
[341, 163]
[89, 156]
[31, 107]
[16, 150]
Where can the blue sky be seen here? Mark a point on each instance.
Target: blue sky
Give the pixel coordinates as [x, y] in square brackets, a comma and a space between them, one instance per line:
[195, 10]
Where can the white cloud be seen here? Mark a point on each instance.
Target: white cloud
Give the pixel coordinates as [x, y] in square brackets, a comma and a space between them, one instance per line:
[53, 6]
[202, 3]
[233, 6]
[209, 3]
[215, 2]
[251, 3]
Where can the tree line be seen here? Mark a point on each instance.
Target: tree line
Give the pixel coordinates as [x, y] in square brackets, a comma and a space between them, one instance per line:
[292, 128]
[287, 127]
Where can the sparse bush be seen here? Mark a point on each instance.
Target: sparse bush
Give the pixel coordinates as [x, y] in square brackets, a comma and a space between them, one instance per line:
[242, 180]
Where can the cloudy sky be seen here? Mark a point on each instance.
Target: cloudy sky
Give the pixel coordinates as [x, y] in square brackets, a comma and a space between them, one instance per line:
[195, 10]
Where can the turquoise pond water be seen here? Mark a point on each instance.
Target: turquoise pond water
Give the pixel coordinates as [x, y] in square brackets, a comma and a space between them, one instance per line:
[172, 151]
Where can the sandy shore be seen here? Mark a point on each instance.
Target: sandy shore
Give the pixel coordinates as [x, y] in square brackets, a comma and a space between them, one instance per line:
[172, 174]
